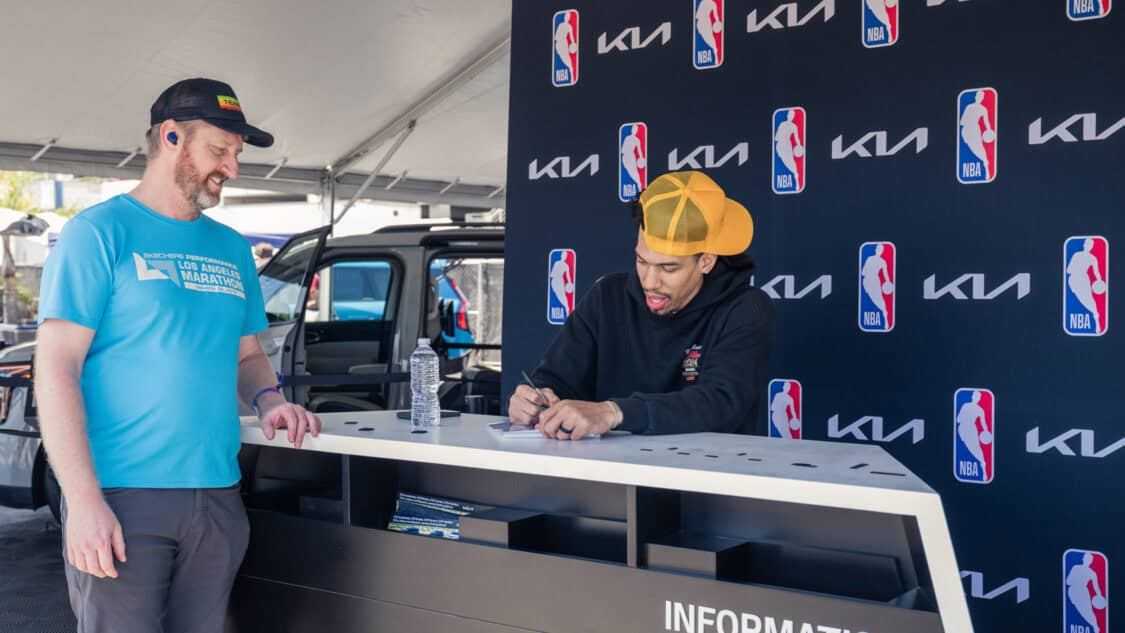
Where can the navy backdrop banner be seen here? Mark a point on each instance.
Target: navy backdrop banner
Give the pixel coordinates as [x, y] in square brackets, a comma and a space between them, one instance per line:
[936, 186]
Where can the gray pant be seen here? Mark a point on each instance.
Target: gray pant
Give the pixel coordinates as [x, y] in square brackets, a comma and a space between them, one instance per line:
[183, 546]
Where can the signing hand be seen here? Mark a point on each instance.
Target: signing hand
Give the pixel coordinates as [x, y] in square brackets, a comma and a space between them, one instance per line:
[524, 405]
[575, 419]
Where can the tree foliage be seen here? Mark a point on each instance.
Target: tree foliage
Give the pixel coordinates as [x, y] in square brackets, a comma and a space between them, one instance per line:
[16, 191]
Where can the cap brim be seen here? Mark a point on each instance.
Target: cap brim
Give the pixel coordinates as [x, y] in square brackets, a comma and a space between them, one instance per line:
[253, 136]
[737, 231]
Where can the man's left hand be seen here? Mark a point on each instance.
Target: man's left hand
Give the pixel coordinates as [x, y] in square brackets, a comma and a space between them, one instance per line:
[575, 419]
[293, 417]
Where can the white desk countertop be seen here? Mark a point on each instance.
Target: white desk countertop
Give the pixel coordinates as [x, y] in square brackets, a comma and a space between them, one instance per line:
[821, 473]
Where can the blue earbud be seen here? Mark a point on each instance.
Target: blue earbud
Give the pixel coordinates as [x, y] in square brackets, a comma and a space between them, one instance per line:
[172, 138]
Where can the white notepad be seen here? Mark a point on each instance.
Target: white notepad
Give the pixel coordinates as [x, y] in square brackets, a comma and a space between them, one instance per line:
[509, 429]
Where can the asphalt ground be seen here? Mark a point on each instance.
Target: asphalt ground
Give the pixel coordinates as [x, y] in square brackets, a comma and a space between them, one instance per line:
[32, 584]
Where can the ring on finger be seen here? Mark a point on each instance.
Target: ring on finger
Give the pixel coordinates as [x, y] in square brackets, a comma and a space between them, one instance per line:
[565, 430]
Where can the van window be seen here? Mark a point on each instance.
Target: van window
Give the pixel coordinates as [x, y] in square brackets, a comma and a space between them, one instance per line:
[352, 291]
[472, 290]
[282, 277]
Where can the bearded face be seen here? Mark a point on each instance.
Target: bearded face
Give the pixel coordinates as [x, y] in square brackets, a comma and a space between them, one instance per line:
[201, 185]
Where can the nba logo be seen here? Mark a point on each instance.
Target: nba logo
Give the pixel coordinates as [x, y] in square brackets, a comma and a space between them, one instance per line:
[560, 285]
[1086, 286]
[785, 408]
[877, 286]
[708, 48]
[564, 53]
[632, 144]
[1085, 592]
[974, 435]
[1087, 10]
[976, 136]
[880, 23]
[789, 150]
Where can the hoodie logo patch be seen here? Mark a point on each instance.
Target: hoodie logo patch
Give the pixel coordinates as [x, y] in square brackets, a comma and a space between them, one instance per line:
[691, 363]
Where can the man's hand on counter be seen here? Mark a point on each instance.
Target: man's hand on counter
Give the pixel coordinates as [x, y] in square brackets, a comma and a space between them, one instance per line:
[279, 414]
[575, 419]
[525, 405]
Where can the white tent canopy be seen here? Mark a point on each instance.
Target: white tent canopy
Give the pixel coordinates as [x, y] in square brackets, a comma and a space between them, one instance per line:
[336, 83]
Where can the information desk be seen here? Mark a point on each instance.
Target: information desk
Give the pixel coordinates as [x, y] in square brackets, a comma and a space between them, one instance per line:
[694, 533]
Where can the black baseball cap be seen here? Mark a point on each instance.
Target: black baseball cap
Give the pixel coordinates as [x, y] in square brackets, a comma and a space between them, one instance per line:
[206, 100]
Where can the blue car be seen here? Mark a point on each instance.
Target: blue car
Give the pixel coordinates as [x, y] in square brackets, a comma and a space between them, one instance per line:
[447, 289]
[358, 289]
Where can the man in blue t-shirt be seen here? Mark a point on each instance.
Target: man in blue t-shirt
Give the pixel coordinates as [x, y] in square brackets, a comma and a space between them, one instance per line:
[149, 314]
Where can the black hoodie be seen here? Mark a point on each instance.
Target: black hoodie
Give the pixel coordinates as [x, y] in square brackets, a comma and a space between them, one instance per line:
[700, 369]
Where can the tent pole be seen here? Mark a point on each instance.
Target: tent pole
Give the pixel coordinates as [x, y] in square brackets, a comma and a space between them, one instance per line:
[375, 172]
[328, 199]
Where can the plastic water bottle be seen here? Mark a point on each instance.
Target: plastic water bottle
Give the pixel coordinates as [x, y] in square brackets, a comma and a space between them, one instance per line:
[425, 409]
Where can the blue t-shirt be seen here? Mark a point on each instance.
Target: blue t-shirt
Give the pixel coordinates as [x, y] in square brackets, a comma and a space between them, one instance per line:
[168, 301]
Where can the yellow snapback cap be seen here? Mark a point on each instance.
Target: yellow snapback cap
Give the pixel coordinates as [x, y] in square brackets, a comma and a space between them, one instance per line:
[686, 213]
